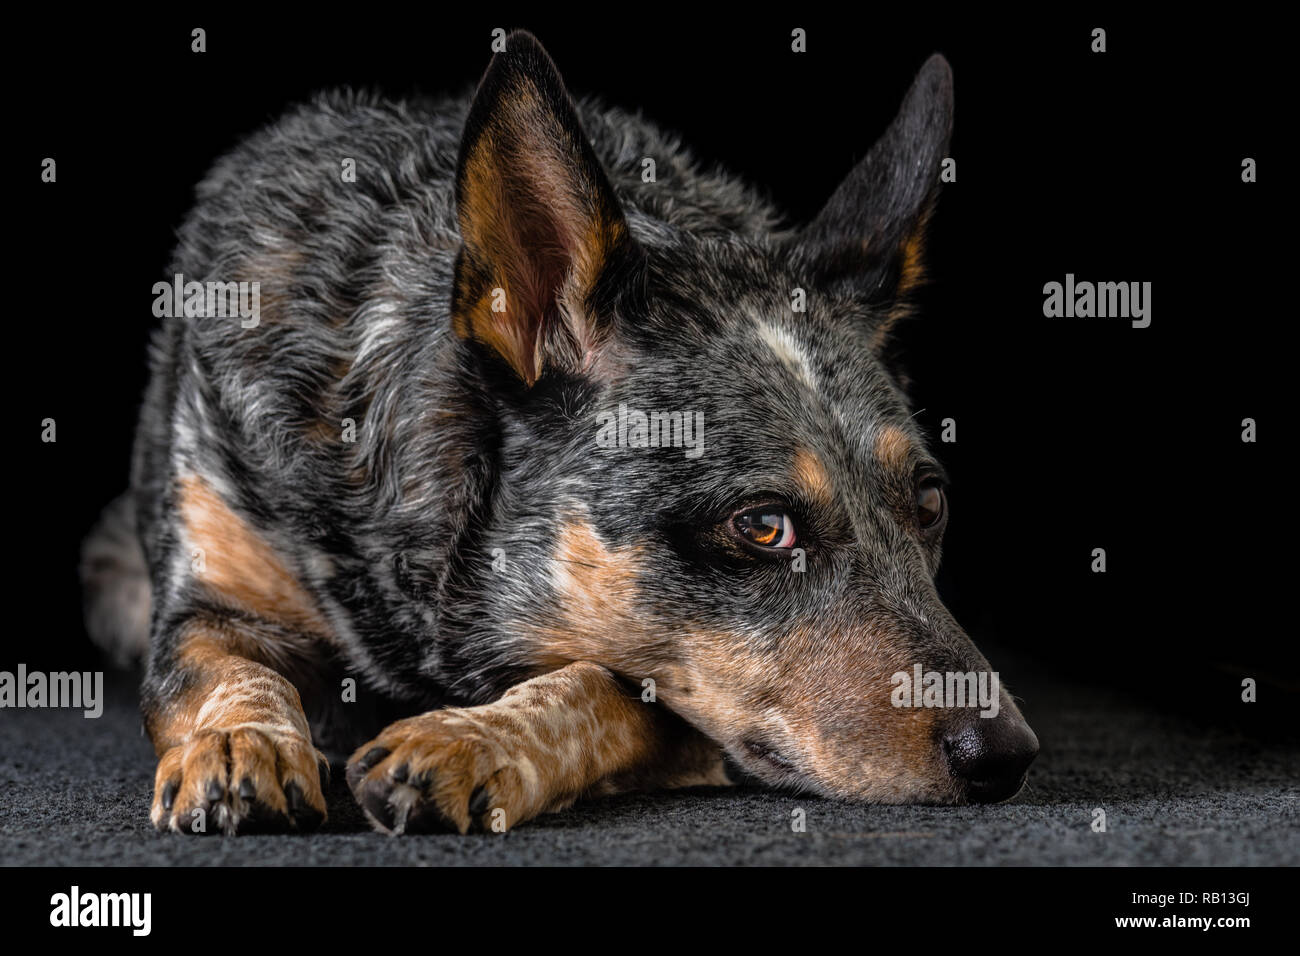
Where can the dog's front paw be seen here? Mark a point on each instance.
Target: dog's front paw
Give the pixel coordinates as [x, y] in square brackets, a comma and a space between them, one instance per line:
[242, 780]
[441, 772]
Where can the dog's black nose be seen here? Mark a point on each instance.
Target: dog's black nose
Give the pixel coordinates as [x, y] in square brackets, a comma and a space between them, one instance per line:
[991, 754]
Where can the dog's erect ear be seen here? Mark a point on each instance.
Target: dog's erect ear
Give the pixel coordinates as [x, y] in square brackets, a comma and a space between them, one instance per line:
[871, 230]
[539, 221]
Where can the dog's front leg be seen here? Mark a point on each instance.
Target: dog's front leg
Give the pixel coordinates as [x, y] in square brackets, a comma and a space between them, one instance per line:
[545, 743]
[234, 748]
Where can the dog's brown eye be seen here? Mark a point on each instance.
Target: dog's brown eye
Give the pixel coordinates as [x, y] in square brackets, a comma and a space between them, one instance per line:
[929, 503]
[766, 527]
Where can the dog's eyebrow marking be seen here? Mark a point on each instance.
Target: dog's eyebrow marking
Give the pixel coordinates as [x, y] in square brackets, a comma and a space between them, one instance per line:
[892, 448]
[810, 474]
[784, 346]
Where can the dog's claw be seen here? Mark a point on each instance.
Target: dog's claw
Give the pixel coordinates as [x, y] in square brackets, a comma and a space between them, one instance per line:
[439, 773]
[479, 800]
[304, 815]
[357, 771]
[375, 799]
[265, 785]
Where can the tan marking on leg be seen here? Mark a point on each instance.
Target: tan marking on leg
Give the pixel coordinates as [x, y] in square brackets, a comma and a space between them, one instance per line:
[239, 567]
[224, 685]
[233, 719]
[546, 742]
[253, 757]
[810, 474]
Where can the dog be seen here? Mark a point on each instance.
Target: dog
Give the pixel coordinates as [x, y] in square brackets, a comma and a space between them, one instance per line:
[536, 476]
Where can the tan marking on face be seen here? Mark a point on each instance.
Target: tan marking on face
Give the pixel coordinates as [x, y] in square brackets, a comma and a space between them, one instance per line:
[599, 620]
[893, 448]
[717, 683]
[811, 475]
[597, 587]
[821, 698]
[239, 567]
[839, 709]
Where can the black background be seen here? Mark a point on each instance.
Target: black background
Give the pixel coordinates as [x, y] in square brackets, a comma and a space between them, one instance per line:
[1072, 434]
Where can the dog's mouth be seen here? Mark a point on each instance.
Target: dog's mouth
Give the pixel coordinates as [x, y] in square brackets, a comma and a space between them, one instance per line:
[761, 762]
[995, 792]
[765, 754]
[757, 762]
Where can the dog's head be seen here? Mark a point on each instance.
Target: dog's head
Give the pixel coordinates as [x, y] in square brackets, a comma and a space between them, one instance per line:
[710, 481]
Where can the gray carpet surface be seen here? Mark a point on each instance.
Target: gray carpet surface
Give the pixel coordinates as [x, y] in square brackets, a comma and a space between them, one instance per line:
[75, 792]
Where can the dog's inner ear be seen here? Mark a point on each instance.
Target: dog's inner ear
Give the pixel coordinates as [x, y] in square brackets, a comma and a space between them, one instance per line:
[869, 234]
[539, 221]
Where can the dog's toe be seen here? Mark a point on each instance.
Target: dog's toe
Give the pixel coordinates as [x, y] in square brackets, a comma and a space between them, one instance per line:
[240, 780]
[434, 774]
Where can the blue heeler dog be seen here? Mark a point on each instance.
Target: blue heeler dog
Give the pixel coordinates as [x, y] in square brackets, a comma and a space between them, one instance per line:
[386, 492]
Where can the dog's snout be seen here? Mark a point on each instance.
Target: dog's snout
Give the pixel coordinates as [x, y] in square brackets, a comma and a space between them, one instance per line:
[990, 755]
